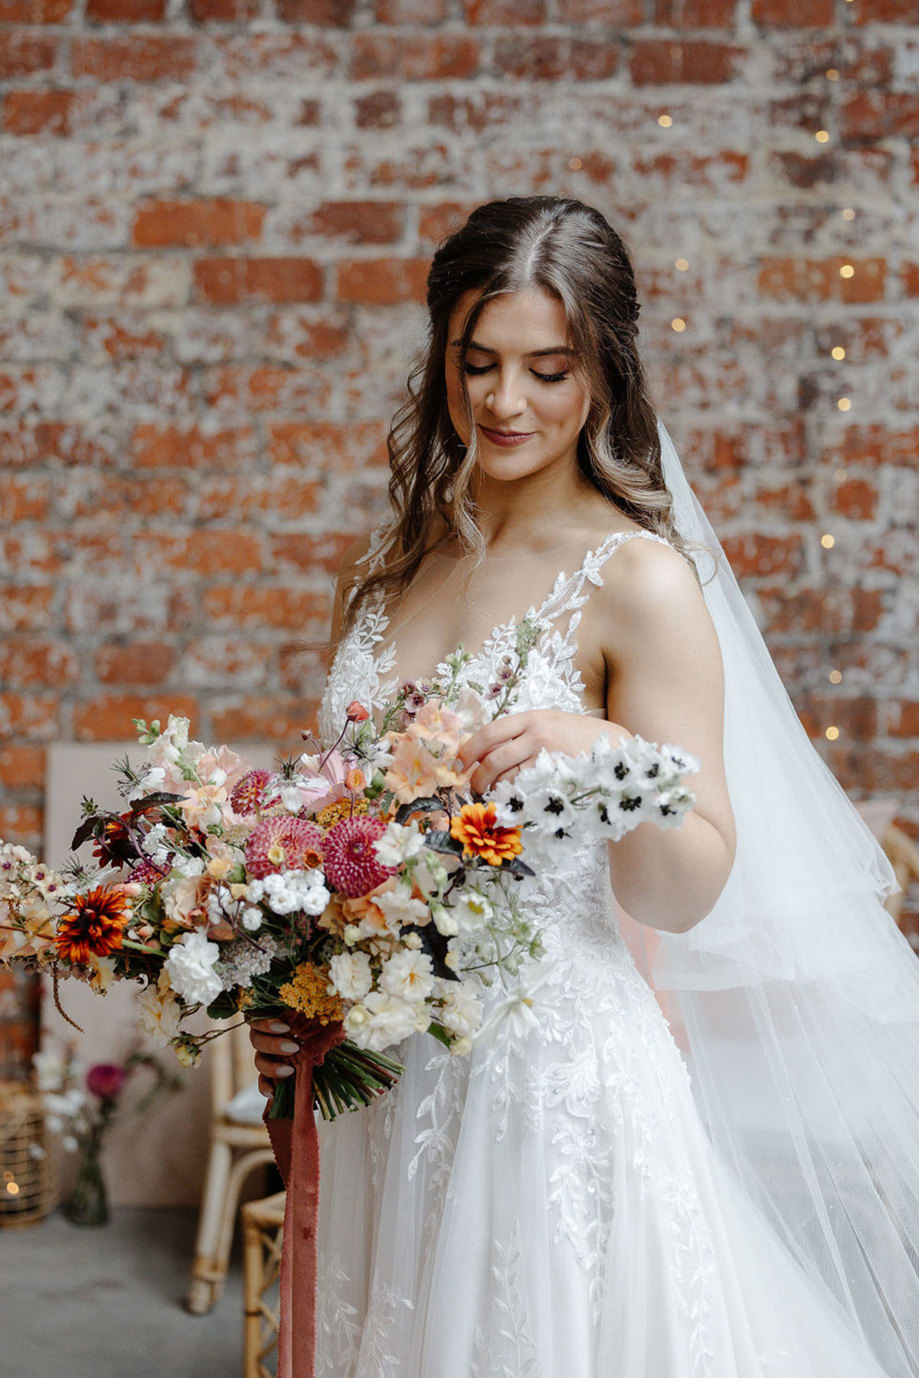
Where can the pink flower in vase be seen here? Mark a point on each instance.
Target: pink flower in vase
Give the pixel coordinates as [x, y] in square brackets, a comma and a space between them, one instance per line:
[106, 1080]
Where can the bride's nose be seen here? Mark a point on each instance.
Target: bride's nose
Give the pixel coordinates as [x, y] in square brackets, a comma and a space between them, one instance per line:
[505, 398]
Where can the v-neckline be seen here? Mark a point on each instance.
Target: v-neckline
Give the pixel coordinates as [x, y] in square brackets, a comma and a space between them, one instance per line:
[500, 629]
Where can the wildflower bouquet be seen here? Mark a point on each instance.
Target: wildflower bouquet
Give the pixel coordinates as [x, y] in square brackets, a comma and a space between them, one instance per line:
[362, 885]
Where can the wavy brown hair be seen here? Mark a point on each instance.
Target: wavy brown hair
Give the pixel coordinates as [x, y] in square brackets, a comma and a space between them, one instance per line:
[569, 250]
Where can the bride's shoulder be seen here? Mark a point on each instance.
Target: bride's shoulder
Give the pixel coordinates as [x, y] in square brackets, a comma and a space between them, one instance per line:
[649, 585]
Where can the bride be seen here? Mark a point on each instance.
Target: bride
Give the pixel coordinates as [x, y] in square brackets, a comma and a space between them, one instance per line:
[565, 1202]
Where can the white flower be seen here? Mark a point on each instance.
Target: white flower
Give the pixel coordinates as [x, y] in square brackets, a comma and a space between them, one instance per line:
[399, 907]
[398, 844]
[190, 965]
[187, 866]
[160, 1011]
[356, 1024]
[470, 914]
[391, 1020]
[408, 975]
[152, 778]
[291, 795]
[351, 975]
[461, 1046]
[287, 892]
[516, 1016]
[252, 918]
[461, 1011]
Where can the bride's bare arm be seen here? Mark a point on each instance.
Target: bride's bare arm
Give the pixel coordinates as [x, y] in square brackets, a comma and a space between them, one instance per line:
[665, 681]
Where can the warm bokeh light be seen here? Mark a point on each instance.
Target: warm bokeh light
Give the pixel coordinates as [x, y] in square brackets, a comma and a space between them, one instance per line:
[838, 352]
[847, 271]
[832, 733]
[678, 324]
[844, 404]
[822, 136]
[835, 677]
[682, 265]
[664, 121]
[848, 213]
[827, 541]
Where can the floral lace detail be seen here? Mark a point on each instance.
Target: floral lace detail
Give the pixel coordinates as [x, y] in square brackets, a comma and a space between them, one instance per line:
[596, 1076]
[376, 1359]
[506, 1349]
[338, 1328]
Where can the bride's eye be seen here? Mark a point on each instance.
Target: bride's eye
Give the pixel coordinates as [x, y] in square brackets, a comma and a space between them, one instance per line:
[476, 368]
[550, 377]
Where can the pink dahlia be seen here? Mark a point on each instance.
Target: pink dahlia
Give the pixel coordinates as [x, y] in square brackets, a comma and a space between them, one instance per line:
[248, 793]
[146, 872]
[283, 844]
[351, 863]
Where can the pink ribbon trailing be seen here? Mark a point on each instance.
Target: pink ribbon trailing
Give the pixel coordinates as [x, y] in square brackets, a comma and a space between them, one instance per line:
[296, 1149]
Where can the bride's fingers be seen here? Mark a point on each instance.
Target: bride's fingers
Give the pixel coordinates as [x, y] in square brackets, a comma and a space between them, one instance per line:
[503, 762]
[274, 1067]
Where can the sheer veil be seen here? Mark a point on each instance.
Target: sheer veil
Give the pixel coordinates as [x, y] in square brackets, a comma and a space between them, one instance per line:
[799, 996]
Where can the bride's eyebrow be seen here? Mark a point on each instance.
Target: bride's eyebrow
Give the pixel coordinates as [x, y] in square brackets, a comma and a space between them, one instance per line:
[533, 354]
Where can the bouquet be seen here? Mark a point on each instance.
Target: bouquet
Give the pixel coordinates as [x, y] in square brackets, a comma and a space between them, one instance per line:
[361, 884]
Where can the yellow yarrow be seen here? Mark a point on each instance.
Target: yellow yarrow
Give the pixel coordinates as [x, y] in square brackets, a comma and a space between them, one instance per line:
[308, 993]
[342, 808]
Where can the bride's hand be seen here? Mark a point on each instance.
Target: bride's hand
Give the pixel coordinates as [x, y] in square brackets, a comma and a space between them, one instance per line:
[274, 1047]
[511, 743]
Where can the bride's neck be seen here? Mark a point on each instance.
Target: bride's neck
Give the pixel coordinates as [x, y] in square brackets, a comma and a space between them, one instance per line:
[516, 513]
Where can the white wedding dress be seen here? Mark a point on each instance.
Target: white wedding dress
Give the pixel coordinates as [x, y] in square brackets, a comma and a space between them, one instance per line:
[551, 1206]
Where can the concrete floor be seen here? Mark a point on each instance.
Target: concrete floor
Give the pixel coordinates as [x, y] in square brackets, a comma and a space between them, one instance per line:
[106, 1302]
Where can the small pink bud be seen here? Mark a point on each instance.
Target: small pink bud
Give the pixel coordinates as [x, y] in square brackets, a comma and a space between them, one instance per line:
[356, 712]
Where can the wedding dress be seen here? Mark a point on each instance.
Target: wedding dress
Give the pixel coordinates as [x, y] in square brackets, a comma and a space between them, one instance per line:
[551, 1206]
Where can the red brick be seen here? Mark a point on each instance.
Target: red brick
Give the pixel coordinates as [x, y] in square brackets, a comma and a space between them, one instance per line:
[696, 172]
[23, 54]
[910, 278]
[697, 14]
[268, 388]
[204, 552]
[28, 716]
[273, 718]
[791, 14]
[754, 555]
[880, 115]
[178, 447]
[790, 499]
[378, 110]
[236, 281]
[224, 11]
[354, 222]
[414, 12]
[104, 497]
[819, 279]
[284, 493]
[24, 500]
[37, 112]
[141, 662]
[349, 447]
[126, 11]
[285, 56]
[382, 281]
[26, 607]
[436, 222]
[107, 717]
[34, 11]
[334, 13]
[474, 112]
[902, 717]
[160, 224]
[141, 57]
[541, 58]
[660, 62]
[855, 498]
[504, 11]
[243, 605]
[426, 57]
[26, 660]
[22, 767]
[884, 12]
[229, 662]
[296, 550]
[121, 339]
[616, 14]
[872, 446]
[22, 823]
[307, 338]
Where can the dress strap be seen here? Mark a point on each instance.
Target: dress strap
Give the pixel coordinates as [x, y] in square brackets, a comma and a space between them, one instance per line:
[570, 591]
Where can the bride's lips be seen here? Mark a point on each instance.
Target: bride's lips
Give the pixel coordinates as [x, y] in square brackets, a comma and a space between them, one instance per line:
[506, 438]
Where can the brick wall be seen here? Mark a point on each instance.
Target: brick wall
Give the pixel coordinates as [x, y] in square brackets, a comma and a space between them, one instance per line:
[214, 224]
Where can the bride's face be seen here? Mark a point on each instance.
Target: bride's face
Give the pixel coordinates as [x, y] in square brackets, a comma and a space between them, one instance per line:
[529, 403]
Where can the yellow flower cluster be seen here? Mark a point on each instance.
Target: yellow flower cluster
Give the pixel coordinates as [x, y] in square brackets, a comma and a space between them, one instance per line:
[308, 993]
[342, 808]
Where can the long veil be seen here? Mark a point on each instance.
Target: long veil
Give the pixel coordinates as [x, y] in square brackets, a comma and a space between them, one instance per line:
[799, 996]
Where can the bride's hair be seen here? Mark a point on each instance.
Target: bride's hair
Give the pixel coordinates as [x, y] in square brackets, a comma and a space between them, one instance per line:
[569, 250]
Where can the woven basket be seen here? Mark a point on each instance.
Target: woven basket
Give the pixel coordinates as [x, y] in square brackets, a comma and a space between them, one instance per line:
[27, 1175]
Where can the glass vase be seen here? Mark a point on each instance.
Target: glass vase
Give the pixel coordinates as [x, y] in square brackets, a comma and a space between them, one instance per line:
[88, 1202]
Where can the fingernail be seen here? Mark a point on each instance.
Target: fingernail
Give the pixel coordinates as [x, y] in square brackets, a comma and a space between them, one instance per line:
[277, 1027]
[283, 1071]
[288, 1047]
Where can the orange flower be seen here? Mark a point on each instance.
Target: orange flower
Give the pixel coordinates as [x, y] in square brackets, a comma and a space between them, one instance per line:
[480, 835]
[95, 928]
